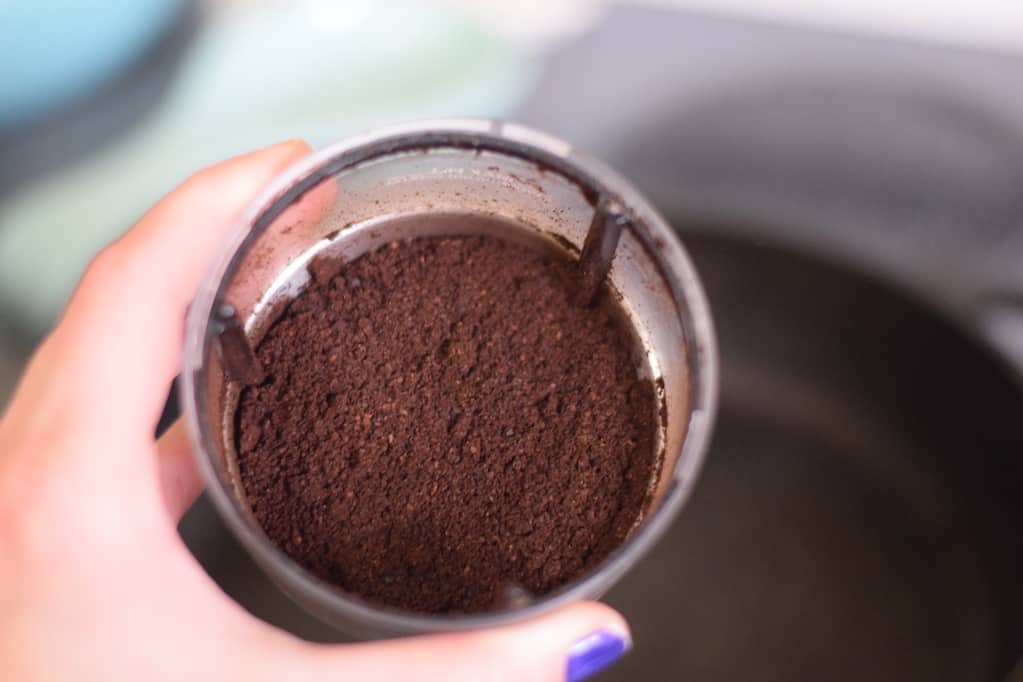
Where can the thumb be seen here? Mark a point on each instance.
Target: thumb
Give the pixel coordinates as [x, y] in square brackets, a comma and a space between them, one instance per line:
[568, 645]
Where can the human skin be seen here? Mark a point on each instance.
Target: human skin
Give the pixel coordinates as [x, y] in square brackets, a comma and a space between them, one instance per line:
[95, 583]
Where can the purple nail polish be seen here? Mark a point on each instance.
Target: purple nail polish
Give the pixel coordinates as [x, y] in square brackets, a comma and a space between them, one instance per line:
[593, 653]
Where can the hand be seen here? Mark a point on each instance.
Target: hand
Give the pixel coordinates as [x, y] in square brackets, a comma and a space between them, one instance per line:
[95, 583]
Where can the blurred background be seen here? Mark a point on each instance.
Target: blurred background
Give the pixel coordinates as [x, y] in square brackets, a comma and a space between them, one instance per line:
[847, 176]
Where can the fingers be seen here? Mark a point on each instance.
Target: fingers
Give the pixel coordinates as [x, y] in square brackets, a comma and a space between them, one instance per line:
[117, 346]
[179, 478]
[569, 645]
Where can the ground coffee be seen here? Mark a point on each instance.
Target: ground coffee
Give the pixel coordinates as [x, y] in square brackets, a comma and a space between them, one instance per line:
[440, 423]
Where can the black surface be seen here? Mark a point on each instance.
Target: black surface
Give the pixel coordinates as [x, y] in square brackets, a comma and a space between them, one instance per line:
[857, 517]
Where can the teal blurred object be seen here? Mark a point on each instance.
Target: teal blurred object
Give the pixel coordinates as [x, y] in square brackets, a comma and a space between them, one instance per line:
[52, 51]
[254, 73]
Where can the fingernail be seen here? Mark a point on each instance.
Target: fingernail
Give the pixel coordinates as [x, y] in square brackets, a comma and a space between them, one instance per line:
[593, 653]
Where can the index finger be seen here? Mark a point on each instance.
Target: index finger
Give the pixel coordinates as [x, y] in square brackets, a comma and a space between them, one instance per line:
[117, 347]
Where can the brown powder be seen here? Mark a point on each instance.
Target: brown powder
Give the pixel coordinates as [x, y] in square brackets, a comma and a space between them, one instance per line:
[440, 424]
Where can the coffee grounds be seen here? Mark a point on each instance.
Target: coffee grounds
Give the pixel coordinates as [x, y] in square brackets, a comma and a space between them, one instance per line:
[440, 425]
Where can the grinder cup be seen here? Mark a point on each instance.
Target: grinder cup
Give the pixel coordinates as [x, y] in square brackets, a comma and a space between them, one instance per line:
[404, 182]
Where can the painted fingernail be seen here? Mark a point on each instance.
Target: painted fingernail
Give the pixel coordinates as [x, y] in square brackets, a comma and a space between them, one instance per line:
[593, 653]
